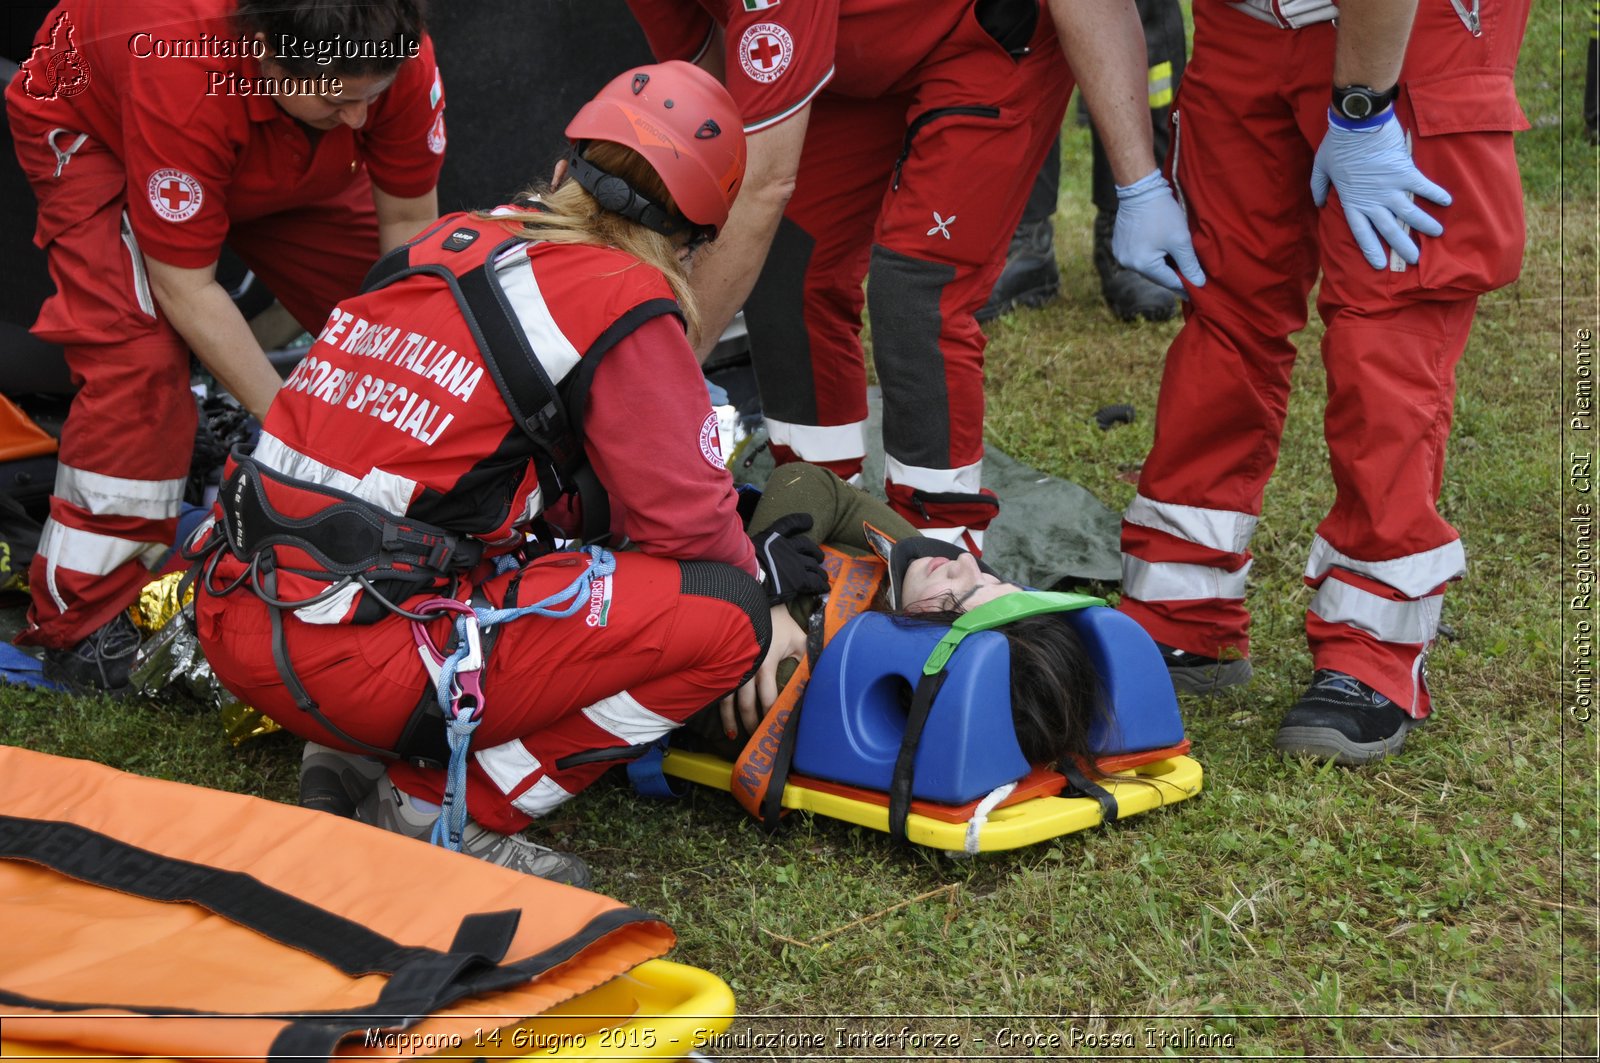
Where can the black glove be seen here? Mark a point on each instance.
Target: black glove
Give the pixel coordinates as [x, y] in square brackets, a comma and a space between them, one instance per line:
[791, 564]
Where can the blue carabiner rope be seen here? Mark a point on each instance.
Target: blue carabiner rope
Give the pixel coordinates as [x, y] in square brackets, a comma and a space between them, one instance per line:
[452, 821]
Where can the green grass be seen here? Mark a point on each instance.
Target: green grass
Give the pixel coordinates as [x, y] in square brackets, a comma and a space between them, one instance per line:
[1443, 903]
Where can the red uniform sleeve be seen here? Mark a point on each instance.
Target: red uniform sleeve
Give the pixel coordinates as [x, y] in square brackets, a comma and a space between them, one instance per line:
[181, 149]
[779, 55]
[646, 433]
[403, 141]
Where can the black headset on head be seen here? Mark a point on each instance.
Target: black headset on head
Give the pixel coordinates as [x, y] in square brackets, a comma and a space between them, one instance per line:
[619, 197]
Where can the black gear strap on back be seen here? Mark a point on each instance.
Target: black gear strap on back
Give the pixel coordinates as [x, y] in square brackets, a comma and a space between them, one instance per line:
[535, 401]
[348, 537]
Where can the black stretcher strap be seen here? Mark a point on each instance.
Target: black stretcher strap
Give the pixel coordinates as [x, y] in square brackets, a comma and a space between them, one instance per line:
[101, 860]
[1089, 788]
[421, 980]
[904, 765]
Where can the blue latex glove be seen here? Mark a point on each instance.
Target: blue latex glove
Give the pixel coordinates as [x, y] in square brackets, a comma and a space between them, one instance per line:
[1371, 167]
[1150, 226]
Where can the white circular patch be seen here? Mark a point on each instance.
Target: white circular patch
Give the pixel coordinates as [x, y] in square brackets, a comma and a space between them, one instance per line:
[174, 194]
[765, 51]
[436, 135]
[711, 443]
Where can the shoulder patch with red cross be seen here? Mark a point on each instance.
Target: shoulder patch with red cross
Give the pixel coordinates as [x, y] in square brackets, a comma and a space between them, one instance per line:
[175, 195]
[765, 50]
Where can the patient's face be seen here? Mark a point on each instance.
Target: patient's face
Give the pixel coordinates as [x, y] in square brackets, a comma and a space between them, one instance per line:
[932, 584]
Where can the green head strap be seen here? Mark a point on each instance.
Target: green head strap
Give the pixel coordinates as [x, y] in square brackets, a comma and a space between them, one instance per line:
[1003, 610]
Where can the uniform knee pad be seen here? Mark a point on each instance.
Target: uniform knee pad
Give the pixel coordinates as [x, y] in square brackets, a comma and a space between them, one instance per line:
[713, 579]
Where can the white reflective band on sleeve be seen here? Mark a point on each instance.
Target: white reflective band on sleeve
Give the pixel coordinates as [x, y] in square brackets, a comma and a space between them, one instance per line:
[554, 351]
[541, 797]
[1414, 622]
[623, 716]
[113, 496]
[1220, 529]
[1156, 581]
[91, 553]
[385, 490]
[840, 442]
[767, 123]
[963, 481]
[1413, 575]
[508, 764]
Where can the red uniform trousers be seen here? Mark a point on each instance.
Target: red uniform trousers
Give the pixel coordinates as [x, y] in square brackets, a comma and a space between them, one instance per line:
[1253, 108]
[922, 187]
[129, 436]
[552, 687]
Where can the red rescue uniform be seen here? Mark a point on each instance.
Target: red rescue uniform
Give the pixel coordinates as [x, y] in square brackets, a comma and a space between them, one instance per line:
[393, 404]
[133, 150]
[1251, 111]
[923, 136]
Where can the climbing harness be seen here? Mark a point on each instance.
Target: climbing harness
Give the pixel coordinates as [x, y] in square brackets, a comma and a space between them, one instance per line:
[458, 676]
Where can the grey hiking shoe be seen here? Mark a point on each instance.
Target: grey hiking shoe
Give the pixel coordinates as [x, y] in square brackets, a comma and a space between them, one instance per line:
[331, 781]
[387, 807]
[1340, 718]
[102, 663]
[1194, 674]
[1031, 276]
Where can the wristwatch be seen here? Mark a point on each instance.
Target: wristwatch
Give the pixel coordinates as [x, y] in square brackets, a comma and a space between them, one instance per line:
[1358, 102]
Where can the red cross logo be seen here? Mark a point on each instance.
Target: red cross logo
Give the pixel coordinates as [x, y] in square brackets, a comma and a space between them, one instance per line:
[765, 50]
[174, 195]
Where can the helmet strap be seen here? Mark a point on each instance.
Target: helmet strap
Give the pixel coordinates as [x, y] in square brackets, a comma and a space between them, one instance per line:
[619, 197]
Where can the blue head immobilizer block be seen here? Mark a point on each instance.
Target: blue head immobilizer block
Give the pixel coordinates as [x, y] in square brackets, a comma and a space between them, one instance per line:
[854, 714]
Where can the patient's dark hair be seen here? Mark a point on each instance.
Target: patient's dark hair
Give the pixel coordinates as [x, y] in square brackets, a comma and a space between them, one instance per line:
[1055, 691]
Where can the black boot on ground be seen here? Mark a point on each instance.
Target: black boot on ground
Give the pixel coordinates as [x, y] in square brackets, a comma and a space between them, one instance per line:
[1031, 276]
[1129, 295]
[102, 663]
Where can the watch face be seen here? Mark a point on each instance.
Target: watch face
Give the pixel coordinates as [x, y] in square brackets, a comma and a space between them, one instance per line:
[1356, 105]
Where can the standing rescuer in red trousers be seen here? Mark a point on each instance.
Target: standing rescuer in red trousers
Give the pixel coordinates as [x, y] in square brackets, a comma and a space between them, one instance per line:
[307, 136]
[427, 430]
[898, 140]
[1300, 148]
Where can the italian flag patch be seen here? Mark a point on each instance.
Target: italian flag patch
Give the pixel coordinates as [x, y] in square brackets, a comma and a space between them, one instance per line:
[759, 5]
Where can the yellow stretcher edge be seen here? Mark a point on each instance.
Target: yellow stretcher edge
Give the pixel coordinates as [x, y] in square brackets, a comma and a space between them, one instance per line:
[1161, 782]
[658, 1010]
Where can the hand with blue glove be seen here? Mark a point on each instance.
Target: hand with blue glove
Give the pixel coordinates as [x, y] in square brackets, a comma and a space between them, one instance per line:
[1370, 164]
[1150, 226]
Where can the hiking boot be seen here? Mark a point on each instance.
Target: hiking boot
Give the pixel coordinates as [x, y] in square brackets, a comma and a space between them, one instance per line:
[1341, 718]
[1128, 293]
[335, 782]
[1194, 674]
[1031, 276]
[100, 664]
[387, 807]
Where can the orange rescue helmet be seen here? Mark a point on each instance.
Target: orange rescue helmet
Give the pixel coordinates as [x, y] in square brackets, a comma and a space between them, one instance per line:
[686, 126]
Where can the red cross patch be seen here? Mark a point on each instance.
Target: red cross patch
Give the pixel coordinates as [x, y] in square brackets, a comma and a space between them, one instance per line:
[175, 195]
[765, 50]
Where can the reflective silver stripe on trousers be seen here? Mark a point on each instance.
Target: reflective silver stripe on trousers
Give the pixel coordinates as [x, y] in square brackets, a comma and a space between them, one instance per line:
[508, 765]
[1220, 529]
[623, 716]
[118, 496]
[1413, 575]
[1161, 581]
[1415, 622]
